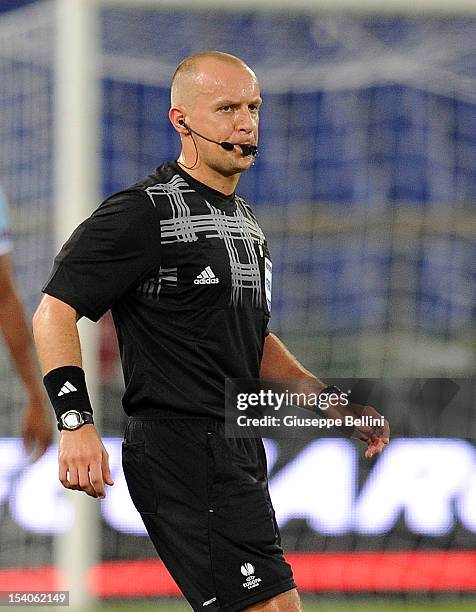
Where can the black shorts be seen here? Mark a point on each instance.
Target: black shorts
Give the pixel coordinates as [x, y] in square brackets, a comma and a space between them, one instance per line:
[205, 503]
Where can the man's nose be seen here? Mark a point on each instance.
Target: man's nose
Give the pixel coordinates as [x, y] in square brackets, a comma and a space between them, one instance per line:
[244, 120]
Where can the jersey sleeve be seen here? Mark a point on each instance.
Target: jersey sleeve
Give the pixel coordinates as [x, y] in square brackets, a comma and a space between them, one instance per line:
[107, 255]
[5, 235]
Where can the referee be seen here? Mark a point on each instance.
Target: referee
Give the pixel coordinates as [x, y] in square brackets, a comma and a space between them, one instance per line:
[182, 263]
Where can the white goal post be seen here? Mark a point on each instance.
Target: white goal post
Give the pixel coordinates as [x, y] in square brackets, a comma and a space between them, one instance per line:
[77, 171]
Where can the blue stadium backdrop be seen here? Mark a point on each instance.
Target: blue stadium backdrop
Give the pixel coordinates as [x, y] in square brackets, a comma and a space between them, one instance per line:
[365, 186]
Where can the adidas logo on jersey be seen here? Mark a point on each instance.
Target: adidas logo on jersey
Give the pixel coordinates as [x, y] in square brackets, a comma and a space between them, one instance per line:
[206, 277]
[67, 388]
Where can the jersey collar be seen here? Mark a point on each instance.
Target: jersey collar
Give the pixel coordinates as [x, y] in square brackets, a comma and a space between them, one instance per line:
[221, 200]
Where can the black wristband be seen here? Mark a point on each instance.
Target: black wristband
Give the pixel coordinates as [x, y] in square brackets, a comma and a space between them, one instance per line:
[66, 388]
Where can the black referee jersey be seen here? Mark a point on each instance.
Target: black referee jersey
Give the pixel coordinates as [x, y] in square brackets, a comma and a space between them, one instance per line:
[186, 272]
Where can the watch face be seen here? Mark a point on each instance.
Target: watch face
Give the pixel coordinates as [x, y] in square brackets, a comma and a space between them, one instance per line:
[72, 419]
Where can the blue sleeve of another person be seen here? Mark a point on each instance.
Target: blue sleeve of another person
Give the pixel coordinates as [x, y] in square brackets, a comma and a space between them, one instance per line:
[5, 234]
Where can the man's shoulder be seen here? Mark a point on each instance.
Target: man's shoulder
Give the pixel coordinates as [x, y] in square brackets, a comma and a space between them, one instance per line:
[162, 175]
[163, 182]
[136, 198]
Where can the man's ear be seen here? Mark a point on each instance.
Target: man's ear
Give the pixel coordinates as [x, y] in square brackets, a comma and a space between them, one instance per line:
[177, 119]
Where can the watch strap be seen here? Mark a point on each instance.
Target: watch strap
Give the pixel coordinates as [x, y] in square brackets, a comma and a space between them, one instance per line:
[87, 420]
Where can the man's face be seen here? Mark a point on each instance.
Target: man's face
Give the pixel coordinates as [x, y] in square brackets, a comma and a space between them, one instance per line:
[226, 108]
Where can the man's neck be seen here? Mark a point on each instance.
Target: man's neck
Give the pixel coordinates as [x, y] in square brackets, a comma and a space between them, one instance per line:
[211, 178]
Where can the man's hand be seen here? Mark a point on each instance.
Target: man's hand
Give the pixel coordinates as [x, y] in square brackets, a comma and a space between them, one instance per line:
[37, 429]
[375, 436]
[84, 462]
[371, 432]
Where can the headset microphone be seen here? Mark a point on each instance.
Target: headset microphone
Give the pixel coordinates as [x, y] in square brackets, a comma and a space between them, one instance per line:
[228, 146]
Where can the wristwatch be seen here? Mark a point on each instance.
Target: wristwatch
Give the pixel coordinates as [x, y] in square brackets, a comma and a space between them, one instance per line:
[73, 419]
[330, 389]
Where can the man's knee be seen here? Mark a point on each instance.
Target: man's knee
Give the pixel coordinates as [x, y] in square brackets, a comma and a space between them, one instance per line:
[284, 602]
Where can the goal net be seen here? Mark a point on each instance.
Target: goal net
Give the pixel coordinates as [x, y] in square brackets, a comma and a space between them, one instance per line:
[364, 185]
[365, 180]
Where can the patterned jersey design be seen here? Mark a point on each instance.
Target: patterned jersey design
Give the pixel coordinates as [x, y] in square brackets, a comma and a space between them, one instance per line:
[187, 220]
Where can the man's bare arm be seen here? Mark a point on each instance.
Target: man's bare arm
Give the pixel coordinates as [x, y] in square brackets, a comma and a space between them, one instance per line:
[56, 334]
[83, 460]
[279, 364]
[36, 423]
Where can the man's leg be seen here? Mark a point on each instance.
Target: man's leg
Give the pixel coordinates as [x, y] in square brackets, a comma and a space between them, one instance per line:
[284, 602]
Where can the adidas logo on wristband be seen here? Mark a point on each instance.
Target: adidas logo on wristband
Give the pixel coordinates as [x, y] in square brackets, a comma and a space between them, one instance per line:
[67, 388]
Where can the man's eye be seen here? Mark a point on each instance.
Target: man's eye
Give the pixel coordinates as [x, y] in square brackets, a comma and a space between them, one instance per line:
[226, 108]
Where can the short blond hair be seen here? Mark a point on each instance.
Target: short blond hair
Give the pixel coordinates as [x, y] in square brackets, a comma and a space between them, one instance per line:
[188, 68]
